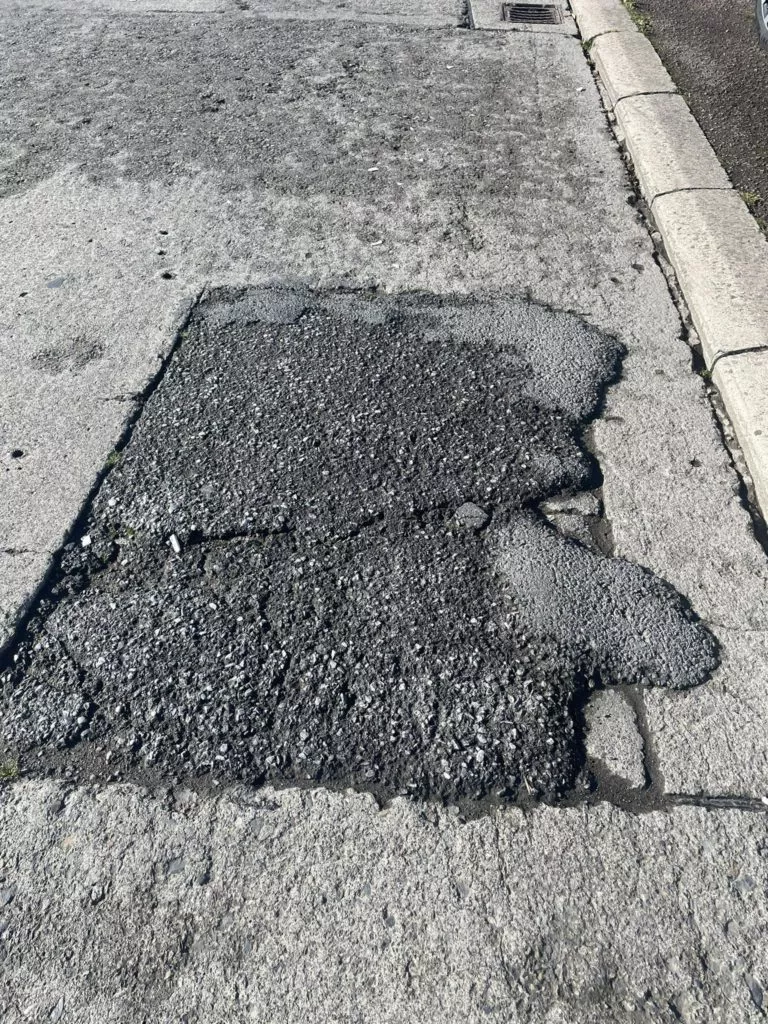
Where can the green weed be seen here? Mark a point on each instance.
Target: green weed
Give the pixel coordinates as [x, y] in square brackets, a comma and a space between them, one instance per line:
[751, 198]
[641, 20]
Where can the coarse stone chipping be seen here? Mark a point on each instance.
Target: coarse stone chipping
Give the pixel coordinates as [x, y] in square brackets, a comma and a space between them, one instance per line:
[277, 580]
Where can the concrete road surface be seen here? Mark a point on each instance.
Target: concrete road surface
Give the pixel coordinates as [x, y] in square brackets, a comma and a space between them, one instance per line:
[384, 622]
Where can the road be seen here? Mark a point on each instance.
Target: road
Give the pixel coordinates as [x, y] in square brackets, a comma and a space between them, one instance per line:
[352, 455]
[711, 50]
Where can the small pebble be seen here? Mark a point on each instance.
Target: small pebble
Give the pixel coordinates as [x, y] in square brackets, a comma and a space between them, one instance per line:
[471, 517]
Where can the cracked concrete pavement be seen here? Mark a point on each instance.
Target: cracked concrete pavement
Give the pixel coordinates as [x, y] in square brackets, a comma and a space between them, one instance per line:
[148, 155]
[316, 906]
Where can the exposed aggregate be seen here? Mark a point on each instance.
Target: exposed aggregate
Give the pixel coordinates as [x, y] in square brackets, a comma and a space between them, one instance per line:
[316, 560]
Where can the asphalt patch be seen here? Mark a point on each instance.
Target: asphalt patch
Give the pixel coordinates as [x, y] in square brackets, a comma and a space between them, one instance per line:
[318, 559]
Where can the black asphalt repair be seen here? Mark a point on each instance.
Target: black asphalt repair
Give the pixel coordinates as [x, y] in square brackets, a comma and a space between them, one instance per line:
[319, 559]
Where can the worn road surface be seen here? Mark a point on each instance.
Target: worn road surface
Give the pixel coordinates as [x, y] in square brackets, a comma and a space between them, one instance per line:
[384, 630]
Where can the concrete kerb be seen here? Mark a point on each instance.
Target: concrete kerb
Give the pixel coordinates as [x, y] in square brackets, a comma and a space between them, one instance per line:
[718, 253]
[742, 380]
[721, 261]
[597, 17]
[668, 149]
[629, 66]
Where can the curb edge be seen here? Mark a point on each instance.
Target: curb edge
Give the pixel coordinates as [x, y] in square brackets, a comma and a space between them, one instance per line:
[713, 243]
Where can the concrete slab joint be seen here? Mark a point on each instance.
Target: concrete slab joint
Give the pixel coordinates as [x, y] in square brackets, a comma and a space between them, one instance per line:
[669, 151]
[598, 17]
[629, 66]
[721, 261]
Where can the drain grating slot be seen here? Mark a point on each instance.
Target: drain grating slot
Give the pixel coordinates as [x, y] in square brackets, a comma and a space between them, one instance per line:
[532, 14]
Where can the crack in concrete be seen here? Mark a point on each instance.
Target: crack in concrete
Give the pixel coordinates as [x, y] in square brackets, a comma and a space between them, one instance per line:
[654, 779]
[736, 352]
[692, 188]
[634, 95]
[752, 805]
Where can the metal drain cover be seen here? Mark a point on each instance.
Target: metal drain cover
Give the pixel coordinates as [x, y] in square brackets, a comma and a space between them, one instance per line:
[532, 14]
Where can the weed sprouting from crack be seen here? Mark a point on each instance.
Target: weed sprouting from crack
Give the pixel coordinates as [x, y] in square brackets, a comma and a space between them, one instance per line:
[752, 199]
[639, 17]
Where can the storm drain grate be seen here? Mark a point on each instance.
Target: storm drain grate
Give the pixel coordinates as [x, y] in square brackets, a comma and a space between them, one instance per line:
[532, 14]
